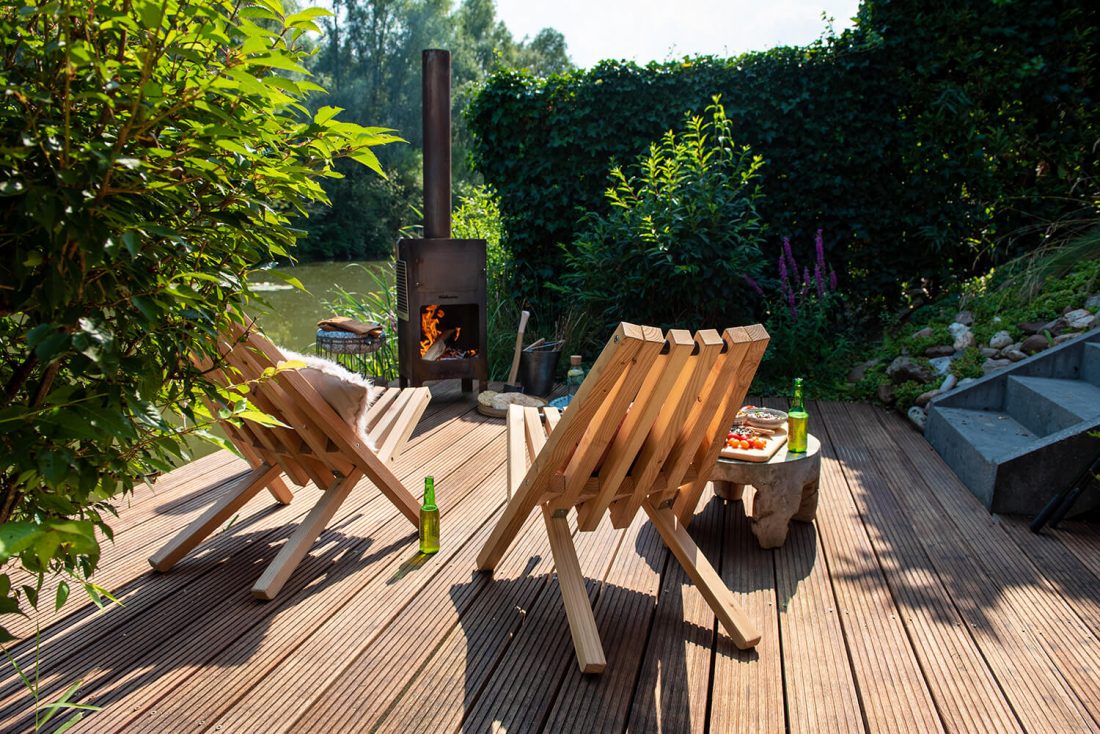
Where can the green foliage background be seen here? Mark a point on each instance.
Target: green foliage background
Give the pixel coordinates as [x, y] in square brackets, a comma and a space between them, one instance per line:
[928, 142]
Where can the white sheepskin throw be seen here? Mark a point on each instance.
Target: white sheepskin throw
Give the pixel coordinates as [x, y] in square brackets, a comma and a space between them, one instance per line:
[348, 393]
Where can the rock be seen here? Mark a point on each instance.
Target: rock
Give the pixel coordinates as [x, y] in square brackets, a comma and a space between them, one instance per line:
[1078, 319]
[1014, 355]
[992, 365]
[1055, 327]
[1031, 327]
[886, 393]
[940, 364]
[1093, 302]
[948, 383]
[1034, 343]
[903, 369]
[925, 333]
[941, 350]
[988, 352]
[924, 397]
[965, 318]
[996, 319]
[966, 381]
[1064, 338]
[857, 373]
[1000, 340]
[918, 416]
[962, 335]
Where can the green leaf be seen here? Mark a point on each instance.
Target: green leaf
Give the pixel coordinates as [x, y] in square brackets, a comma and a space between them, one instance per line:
[62, 594]
[261, 418]
[15, 537]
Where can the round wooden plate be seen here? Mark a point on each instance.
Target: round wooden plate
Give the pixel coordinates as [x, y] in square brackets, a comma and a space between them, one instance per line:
[501, 413]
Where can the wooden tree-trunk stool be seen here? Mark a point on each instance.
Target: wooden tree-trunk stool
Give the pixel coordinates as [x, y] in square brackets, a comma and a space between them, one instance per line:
[786, 488]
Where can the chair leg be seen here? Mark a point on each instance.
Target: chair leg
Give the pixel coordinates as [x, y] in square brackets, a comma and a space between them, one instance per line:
[702, 574]
[280, 491]
[241, 491]
[578, 609]
[303, 538]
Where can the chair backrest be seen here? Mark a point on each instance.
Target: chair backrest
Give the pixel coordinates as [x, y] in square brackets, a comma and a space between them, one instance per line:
[314, 442]
[647, 423]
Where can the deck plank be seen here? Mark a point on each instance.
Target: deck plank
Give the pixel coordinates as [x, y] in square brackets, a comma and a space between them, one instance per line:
[747, 693]
[966, 693]
[672, 687]
[1012, 612]
[905, 601]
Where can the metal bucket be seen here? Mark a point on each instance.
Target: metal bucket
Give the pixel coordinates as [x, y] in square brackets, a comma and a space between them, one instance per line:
[536, 371]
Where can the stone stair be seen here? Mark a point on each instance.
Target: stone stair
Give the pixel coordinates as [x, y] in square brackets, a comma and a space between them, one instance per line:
[1019, 436]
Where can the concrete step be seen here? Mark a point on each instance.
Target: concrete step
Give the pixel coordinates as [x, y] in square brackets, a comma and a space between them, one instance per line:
[974, 442]
[1047, 405]
[1018, 436]
[1090, 363]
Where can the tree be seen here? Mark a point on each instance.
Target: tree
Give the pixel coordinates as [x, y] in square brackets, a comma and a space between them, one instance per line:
[370, 59]
[152, 154]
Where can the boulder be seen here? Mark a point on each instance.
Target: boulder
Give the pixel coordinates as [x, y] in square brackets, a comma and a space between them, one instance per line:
[1000, 340]
[1079, 319]
[1064, 338]
[1093, 302]
[903, 369]
[918, 416]
[988, 352]
[923, 399]
[962, 335]
[940, 364]
[966, 381]
[886, 393]
[948, 383]
[924, 333]
[941, 350]
[857, 373]
[992, 365]
[1014, 355]
[1031, 327]
[965, 318]
[1034, 343]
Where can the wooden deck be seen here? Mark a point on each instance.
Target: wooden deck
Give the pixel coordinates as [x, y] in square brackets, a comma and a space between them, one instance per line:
[905, 607]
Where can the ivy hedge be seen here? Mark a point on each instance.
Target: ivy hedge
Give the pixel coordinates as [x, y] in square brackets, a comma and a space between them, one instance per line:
[923, 141]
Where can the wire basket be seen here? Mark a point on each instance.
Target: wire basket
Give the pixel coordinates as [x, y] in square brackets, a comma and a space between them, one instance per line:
[349, 350]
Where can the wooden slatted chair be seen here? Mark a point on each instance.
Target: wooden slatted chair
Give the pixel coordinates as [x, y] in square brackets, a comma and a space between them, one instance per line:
[316, 445]
[643, 432]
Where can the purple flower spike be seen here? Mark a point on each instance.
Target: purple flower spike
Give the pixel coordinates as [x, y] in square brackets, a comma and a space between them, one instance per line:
[790, 255]
[819, 280]
[805, 276]
[819, 249]
[832, 280]
[784, 284]
[754, 285]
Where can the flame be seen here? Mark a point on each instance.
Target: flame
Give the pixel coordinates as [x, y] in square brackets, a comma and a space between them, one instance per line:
[430, 317]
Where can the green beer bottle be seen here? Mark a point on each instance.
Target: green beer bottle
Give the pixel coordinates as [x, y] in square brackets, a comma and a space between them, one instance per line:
[797, 421]
[429, 519]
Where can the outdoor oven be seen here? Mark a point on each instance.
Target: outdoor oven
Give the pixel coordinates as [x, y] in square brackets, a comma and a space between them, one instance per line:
[441, 310]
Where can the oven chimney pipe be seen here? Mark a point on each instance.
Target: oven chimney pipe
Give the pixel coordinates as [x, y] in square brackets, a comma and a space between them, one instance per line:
[436, 91]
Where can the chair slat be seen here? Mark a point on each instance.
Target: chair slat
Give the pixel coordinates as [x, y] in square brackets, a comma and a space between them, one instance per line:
[750, 342]
[601, 379]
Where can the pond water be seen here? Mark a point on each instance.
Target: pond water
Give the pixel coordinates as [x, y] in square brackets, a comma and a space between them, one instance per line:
[291, 320]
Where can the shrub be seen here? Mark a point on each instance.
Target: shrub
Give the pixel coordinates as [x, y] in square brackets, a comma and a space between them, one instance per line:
[681, 232]
[151, 155]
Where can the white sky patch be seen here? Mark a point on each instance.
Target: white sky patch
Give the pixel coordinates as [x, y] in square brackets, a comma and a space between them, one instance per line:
[660, 30]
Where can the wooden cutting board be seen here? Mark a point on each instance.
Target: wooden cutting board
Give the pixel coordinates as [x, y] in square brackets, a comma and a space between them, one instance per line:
[759, 455]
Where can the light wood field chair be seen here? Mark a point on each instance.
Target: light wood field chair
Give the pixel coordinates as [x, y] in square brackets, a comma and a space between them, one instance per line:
[316, 445]
[643, 432]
